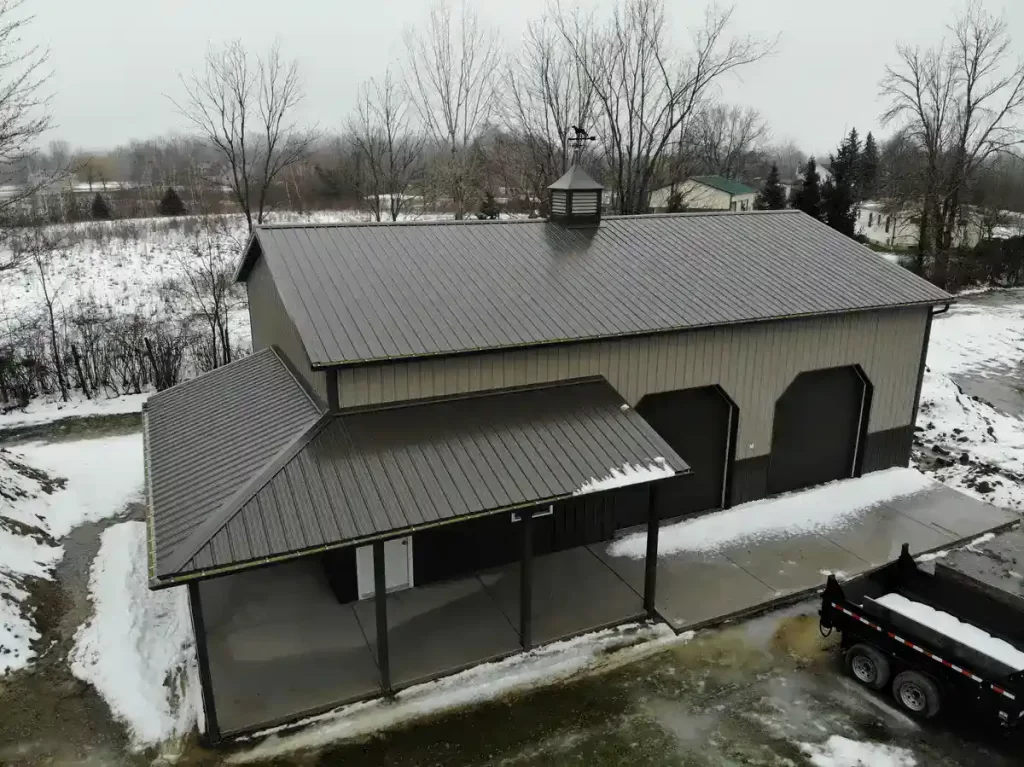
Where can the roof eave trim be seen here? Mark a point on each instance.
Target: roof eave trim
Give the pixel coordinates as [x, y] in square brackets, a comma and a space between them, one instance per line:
[177, 578]
[252, 247]
[204, 533]
[638, 334]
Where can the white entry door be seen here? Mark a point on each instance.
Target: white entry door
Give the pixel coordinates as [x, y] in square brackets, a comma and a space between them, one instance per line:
[397, 566]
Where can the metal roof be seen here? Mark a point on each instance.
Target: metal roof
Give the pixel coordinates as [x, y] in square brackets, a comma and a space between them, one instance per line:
[723, 184]
[576, 179]
[388, 291]
[365, 474]
[205, 438]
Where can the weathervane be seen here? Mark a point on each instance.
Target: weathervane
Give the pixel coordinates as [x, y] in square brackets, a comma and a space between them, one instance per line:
[578, 141]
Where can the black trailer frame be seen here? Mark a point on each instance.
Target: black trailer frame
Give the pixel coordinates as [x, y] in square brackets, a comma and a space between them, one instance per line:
[962, 673]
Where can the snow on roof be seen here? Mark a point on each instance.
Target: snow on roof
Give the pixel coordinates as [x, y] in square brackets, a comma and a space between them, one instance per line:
[815, 510]
[629, 474]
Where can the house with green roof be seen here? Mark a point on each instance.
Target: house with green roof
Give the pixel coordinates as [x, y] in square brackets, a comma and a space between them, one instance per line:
[706, 193]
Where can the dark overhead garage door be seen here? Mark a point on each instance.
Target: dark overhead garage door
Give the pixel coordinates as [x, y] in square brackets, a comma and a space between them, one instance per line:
[817, 424]
[697, 423]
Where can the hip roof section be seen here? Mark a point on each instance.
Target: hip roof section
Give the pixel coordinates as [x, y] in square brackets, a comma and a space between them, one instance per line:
[367, 292]
[206, 438]
[366, 474]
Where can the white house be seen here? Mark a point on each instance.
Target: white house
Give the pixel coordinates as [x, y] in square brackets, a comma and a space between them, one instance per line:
[707, 193]
[893, 226]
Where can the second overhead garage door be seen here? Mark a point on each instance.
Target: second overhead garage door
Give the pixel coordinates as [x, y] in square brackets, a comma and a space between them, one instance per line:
[698, 424]
[816, 429]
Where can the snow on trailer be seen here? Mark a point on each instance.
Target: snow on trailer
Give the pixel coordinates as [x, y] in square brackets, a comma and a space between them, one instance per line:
[931, 638]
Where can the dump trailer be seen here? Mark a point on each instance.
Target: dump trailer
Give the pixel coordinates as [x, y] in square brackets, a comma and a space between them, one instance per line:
[934, 640]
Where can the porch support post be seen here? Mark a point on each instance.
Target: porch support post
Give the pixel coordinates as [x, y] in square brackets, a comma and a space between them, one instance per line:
[526, 581]
[380, 598]
[651, 560]
[212, 734]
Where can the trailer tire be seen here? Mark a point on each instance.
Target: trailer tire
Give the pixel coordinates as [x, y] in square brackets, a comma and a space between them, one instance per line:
[917, 694]
[868, 666]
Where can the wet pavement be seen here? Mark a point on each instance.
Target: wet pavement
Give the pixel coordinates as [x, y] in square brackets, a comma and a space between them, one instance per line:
[750, 694]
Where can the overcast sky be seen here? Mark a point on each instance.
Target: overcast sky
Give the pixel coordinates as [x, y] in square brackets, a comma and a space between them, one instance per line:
[115, 61]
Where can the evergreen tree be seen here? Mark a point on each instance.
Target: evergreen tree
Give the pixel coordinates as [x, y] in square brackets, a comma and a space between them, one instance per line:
[869, 163]
[100, 209]
[808, 196]
[488, 208]
[675, 203]
[839, 195]
[772, 196]
[171, 204]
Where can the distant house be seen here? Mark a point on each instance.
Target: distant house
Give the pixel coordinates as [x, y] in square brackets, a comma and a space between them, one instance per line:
[707, 193]
[444, 423]
[897, 225]
[796, 179]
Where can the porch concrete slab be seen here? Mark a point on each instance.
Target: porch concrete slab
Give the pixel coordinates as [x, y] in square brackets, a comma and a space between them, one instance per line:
[794, 564]
[694, 588]
[438, 629]
[573, 592]
[279, 644]
[959, 514]
[877, 536]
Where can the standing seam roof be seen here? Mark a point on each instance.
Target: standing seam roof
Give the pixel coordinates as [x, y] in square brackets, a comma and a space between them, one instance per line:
[363, 474]
[366, 292]
[207, 437]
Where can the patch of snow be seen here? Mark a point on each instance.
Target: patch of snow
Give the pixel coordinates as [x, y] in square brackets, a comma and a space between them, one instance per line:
[841, 575]
[136, 650]
[628, 474]
[948, 625]
[818, 509]
[932, 556]
[838, 751]
[25, 553]
[590, 653]
[980, 540]
[977, 338]
[984, 445]
[102, 476]
[45, 410]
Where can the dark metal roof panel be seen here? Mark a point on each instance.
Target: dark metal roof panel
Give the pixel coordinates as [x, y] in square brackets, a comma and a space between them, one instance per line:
[206, 438]
[384, 291]
[375, 472]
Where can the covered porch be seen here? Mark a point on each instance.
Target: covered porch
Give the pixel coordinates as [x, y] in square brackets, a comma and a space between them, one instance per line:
[279, 645]
[389, 546]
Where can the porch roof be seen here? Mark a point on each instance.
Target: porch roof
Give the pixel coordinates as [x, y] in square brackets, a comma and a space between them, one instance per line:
[366, 474]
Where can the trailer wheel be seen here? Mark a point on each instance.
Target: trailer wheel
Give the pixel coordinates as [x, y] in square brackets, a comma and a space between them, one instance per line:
[917, 694]
[868, 666]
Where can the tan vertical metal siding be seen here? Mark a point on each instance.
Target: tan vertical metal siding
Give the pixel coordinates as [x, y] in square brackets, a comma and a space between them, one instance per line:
[271, 325]
[753, 363]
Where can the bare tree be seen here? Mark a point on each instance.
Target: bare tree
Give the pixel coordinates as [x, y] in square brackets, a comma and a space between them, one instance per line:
[41, 246]
[645, 91]
[728, 140]
[548, 93]
[207, 285]
[24, 113]
[244, 105]
[959, 102]
[389, 151]
[451, 74]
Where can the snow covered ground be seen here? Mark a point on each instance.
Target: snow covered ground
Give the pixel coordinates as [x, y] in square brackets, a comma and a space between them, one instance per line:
[966, 442]
[838, 751]
[808, 511]
[137, 650]
[45, 491]
[45, 410]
